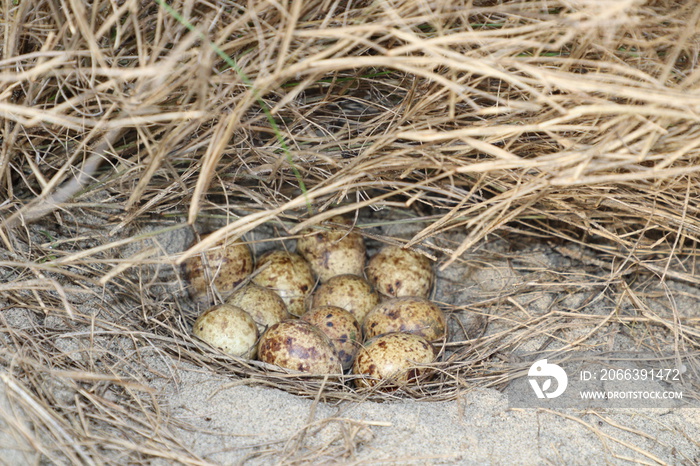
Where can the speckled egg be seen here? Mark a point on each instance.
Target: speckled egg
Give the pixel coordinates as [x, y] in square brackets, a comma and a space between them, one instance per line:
[298, 345]
[351, 292]
[220, 269]
[408, 314]
[341, 328]
[395, 271]
[392, 358]
[264, 305]
[288, 275]
[228, 328]
[331, 250]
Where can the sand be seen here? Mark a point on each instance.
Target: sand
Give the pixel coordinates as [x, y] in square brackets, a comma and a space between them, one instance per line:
[263, 426]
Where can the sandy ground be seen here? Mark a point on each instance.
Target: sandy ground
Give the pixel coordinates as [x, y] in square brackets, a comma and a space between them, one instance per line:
[477, 428]
[254, 425]
[225, 420]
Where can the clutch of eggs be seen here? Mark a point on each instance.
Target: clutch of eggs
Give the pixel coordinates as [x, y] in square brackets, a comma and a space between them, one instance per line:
[389, 309]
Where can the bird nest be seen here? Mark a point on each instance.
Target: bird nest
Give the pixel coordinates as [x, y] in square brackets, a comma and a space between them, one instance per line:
[545, 156]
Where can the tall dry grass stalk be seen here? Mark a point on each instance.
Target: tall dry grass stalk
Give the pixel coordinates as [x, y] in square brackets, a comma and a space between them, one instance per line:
[575, 121]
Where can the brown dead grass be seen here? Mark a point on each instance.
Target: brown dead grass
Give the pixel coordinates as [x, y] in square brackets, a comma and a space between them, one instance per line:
[576, 122]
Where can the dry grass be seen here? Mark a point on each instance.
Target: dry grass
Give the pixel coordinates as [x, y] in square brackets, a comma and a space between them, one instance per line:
[571, 121]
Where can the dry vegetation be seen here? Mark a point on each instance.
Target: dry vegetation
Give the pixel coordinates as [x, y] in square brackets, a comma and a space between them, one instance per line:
[571, 121]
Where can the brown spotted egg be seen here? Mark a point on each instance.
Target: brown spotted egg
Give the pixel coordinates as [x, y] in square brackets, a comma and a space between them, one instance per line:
[393, 359]
[351, 292]
[264, 305]
[395, 271]
[331, 250]
[300, 346]
[288, 275]
[409, 314]
[340, 327]
[220, 269]
[228, 328]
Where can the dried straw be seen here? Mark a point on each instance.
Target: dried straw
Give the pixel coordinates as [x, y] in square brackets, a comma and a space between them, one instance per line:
[574, 122]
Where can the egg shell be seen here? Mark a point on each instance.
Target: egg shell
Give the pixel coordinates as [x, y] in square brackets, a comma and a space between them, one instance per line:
[228, 328]
[221, 268]
[264, 305]
[288, 275]
[341, 328]
[351, 292]
[333, 251]
[299, 345]
[395, 271]
[392, 357]
[409, 314]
